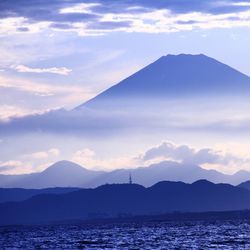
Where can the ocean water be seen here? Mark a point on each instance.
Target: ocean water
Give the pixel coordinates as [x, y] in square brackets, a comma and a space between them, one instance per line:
[150, 235]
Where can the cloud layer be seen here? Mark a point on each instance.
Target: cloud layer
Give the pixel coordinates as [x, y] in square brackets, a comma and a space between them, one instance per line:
[101, 17]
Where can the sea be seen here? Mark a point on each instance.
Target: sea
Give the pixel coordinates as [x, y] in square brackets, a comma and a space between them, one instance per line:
[229, 234]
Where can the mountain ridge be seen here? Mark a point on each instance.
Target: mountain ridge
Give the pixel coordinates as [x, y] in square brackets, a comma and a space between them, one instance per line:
[73, 175]
[114, 200]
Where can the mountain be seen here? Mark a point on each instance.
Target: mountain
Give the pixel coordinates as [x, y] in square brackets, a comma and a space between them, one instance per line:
[126, 200]
[245, 185]
[60, 174]
[21, 194]
[174, 76]
[166, 170]
[69, 174]
[175, 92]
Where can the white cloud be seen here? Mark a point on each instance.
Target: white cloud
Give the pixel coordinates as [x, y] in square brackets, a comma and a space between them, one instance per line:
[79, 8]
[88, 158]
[219, 158]
[243, 4]
[29, 163]
[226, 158]
[51, 153]
[11, 25]
[8, 111]
[183, 153]
[14, 167]
[149, 21]
[11, 163]
[54, 70]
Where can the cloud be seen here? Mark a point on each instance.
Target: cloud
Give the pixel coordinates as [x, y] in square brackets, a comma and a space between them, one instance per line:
[4, 169]
[211, 158]
[183, 153]
[14, 167]
[186, 115]
[8, 111]
[10, 165]
[188, 155]
[32, 162]
[53, 152]
[89, 159]
[100, 17]
[54, 70]
[14, 90]
[23, 29]
[219, 157]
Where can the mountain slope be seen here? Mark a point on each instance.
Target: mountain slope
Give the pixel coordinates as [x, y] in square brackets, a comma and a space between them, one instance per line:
[175, 76]
[114, 200]
[60, 174]
[245, 185]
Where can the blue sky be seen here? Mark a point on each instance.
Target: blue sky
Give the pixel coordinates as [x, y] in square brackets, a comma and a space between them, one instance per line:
[58, 54]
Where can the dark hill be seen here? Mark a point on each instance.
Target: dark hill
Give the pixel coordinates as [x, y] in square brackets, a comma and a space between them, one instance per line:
[127, 200]
[245, 185]
[20, 194]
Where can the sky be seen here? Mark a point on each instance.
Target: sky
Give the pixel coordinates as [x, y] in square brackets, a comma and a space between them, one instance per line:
[59, 54]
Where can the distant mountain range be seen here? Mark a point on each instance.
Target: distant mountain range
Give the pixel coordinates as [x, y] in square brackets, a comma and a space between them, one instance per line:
[69, 174]
[125, 200]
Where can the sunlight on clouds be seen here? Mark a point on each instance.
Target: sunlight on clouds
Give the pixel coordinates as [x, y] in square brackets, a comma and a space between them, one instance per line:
[241, 4]
[53, 152]
[87, 158]
[227, 161]
[80, 8]
[224, 158]
[8, 111]
[15, 167]
[30, 163]
[9, 25]
[71, 94]
[22, 167]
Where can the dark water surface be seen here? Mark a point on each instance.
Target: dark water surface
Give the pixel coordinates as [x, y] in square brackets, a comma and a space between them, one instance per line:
[149, 235]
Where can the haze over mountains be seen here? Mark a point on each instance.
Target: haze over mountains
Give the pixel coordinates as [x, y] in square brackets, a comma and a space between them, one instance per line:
[160, 96]
[147, 94]
[68, 174]
[180, 92]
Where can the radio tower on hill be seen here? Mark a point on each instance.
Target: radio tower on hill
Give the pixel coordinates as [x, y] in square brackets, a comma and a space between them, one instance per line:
[130, 179]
